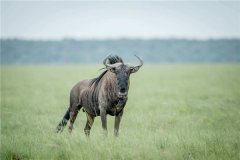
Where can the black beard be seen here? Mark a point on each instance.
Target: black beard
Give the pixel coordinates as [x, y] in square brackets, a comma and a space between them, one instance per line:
[121, 102]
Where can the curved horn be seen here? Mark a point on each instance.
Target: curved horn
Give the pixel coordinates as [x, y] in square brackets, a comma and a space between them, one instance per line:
[141, 62]
[105, 61]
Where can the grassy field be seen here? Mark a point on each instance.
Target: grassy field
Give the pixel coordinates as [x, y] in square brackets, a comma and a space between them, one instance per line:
[179, 111]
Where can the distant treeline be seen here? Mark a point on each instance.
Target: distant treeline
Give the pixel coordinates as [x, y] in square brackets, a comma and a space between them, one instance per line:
[16, 51]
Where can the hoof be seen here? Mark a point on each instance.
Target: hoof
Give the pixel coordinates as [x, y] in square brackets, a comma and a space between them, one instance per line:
[59, 129]
[70, 128]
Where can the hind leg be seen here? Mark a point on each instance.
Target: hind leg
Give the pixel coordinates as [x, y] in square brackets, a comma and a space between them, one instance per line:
[89, 123]
[73, 115]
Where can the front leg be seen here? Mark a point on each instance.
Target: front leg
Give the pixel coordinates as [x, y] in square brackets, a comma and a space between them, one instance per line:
[103, 115]
[117, 123]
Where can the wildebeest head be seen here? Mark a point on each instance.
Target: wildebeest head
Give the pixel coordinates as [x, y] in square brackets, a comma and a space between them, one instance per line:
[122, 72]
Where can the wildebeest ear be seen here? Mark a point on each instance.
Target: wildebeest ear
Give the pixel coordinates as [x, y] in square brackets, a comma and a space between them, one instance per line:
[134, 69]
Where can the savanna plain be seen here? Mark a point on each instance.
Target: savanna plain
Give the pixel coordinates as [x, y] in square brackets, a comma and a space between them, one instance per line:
[174, 111]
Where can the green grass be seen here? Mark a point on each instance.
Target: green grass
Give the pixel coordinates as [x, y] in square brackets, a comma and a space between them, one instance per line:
[180, 111]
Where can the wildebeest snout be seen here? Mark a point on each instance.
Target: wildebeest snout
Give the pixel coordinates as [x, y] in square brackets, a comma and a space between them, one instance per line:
[122, 86]
[122, 93]
[123, 90]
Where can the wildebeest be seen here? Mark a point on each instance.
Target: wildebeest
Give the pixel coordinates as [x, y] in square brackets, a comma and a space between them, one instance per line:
[106, 94]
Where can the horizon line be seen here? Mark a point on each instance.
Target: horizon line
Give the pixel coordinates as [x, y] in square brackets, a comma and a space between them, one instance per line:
[119, 38]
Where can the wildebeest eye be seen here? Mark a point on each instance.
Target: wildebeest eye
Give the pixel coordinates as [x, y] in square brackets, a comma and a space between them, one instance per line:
[113, 70]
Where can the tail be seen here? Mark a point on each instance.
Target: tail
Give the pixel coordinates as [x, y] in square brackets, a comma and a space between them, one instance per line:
[63, 122]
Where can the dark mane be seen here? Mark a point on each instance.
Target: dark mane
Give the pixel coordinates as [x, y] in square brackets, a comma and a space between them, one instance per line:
[111, 60]
[115, 59]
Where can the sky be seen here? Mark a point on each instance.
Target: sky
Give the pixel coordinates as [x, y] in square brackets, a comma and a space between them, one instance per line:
[121, 19]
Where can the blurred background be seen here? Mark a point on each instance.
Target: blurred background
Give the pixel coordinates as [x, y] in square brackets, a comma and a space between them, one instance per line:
[85, 32]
